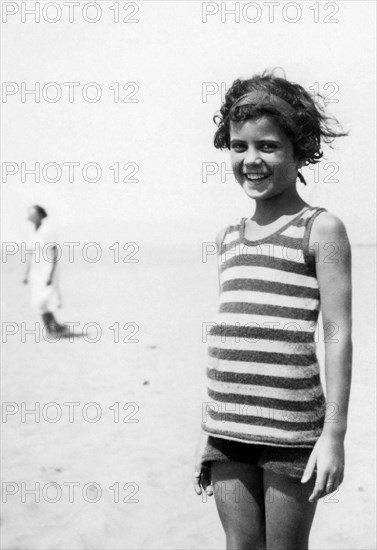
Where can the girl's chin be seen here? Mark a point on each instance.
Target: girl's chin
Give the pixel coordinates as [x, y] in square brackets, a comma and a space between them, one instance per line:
[254, 188]
[255, 184]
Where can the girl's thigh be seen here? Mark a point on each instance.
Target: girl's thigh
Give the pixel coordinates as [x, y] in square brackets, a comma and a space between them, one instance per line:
[288, 512]
[239, 495]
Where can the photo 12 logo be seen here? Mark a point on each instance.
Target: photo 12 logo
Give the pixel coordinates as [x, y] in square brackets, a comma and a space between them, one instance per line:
[326, 92]
[71, 251]
[71, 331]
[70, 12]
[69, 171]
[269, 12]
[70, 92]
[69, 491]
[69, 412]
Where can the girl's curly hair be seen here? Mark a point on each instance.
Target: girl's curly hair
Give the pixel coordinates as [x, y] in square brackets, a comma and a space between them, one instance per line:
[306, 128]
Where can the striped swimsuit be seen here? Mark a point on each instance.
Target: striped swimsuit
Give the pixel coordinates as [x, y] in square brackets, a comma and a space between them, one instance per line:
[262, 373]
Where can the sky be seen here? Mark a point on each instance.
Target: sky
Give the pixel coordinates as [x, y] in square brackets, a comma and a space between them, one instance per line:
[176, 60]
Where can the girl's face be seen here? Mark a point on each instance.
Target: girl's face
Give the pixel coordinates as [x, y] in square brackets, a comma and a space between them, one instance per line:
[32, 214]
[262, 158]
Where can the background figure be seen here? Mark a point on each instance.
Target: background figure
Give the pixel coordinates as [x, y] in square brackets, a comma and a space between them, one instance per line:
[42, 273]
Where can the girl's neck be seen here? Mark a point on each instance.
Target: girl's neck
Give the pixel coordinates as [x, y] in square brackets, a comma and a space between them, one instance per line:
[284, 204]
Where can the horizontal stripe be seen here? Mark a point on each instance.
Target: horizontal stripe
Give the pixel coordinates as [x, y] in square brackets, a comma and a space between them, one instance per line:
[262, 435]
[290, 371]
[265, 422]
[271, 310]
[257, 333]
[269, 250]
[262, 357]
[263, 321]
[287, 394]
[250, 405]
[264, 380]
[257, 260]
[251, 297]
[286, 242]
[267, 274]
[270, 287]
[254, 403]
[261, 345]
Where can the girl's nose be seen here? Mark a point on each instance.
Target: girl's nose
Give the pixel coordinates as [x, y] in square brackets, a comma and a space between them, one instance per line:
[252, 157]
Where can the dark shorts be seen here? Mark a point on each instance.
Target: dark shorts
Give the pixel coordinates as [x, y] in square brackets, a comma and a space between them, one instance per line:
[287, 461]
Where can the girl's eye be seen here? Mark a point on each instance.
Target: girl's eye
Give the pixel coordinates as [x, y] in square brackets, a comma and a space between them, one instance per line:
[238, 148]
[268, 147]
[265, 147]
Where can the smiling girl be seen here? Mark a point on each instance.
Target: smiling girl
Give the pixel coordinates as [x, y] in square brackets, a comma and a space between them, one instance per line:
[272, 444]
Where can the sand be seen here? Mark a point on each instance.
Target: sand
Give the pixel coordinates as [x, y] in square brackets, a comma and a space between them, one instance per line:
[132, 471]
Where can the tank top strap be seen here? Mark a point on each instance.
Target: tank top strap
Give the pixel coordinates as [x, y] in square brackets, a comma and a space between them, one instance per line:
[234, 231]
[241, 229]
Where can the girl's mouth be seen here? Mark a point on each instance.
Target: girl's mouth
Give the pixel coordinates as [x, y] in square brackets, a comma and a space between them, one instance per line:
[256, 178]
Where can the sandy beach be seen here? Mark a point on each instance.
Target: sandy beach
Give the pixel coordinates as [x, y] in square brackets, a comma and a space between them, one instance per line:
[110, 456]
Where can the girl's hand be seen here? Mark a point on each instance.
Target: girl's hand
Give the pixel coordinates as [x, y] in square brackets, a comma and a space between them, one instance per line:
[49, 282]
[202, 479]
[202, 473]
[328, 455]
[25, 281]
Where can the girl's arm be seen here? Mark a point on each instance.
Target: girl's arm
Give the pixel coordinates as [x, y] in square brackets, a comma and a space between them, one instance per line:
[26, 277]
[333, 265]
[54, 262]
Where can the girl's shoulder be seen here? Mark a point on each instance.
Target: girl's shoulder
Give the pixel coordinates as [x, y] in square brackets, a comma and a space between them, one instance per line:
[326, 224]
[328, 234]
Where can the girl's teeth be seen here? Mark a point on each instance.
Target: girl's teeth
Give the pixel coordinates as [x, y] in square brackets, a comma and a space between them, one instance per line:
[256, 178]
